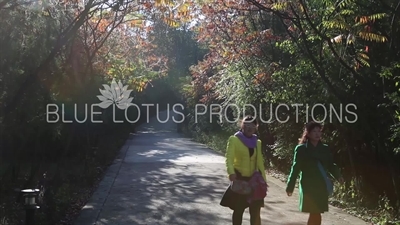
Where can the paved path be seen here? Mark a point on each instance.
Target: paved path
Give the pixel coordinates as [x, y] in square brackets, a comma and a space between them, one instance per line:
[162, 178]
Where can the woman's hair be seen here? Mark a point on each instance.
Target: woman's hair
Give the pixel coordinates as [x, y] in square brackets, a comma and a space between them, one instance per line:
[248, 118]
[307, 129]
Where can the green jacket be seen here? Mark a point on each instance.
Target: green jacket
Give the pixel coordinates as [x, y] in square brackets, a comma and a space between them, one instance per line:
[313, 194]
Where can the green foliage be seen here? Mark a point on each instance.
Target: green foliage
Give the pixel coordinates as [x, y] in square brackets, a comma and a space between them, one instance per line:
[62, 57]
[326, 52]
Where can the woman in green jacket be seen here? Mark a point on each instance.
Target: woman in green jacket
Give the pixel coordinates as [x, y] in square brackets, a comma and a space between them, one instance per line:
[243, 158]
[313, 187]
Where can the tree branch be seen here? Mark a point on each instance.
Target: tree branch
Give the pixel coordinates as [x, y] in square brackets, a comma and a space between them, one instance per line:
[31, 77]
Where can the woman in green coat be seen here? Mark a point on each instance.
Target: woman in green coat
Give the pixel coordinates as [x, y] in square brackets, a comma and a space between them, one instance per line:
[313, 188]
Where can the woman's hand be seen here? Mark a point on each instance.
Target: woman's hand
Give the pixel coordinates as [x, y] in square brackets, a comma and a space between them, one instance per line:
[289, 194]
[232, 177]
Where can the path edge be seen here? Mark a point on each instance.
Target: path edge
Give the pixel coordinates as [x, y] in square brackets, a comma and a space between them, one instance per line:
[90, 212]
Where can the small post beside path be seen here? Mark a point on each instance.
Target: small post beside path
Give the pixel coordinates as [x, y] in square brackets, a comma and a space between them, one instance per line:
[30, 205]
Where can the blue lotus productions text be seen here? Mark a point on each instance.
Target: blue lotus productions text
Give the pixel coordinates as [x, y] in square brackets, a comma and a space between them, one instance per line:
[133, 113]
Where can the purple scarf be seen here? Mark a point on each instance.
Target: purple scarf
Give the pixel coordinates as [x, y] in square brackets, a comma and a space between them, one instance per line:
[250, 142]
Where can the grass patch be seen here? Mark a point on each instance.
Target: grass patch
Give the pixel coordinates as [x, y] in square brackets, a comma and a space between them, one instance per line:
[214, 140]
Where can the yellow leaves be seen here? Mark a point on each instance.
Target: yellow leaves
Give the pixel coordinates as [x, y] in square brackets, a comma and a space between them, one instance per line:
[198, 29]
[346, 12]
[368, 36]
[183, 9]
[174, 13]
[335, 24]
[345, 3]
[136, 23]
[158, 3]
[363, 31]
[45, 13]
[363, 62]
[183, 12]
[301, 7]
[360, 60]
[377, 16]
[279, 6]
[171, 22]
[169, 3]
[225, 54]
[139, 85]
[363, 55]
[362, 19]
[370, 18]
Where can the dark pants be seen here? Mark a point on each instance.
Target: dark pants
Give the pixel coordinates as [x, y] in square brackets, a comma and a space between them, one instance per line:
[255, 218]
[314, 219]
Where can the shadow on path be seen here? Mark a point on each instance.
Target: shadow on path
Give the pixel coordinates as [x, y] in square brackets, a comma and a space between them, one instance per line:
[162, 178]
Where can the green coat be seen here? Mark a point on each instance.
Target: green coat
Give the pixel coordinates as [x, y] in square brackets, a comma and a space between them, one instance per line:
[313, 194]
